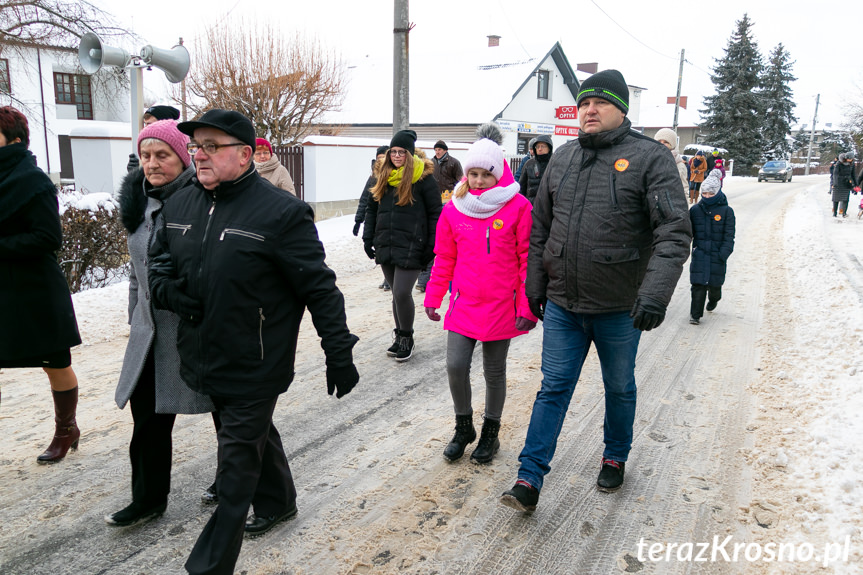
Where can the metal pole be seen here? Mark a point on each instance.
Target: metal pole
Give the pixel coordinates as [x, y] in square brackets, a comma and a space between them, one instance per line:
[401, 67]
[183, 93]
[812, 135]
[679, 84]
[137, 74]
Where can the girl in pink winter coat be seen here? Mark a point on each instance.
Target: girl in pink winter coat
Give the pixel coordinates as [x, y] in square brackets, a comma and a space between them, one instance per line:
[481, 247]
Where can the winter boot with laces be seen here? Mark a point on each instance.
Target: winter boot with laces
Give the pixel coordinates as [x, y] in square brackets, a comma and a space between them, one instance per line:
[464, 434]
[394, 348]
[406, 345]
[488, 442]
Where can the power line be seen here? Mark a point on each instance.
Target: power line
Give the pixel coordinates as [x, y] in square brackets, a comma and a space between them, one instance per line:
[630, 34]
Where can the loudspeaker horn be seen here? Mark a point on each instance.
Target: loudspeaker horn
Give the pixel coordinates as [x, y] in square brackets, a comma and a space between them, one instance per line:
[92, 54]
[174, 62]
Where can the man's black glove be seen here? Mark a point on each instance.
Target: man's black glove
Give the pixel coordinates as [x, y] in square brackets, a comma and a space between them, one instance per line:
[342, 379]
[171, 295]
[647, 313]
[370, 249]
[357, 228]
[133, 163]
[537, 306]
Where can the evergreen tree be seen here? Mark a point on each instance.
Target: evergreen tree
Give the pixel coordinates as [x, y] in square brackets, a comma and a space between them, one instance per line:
[733, 117]
[778, 104]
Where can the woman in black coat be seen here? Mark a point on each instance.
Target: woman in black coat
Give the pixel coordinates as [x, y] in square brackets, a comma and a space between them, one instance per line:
[399, 232]
[37, 320]
[844, 180]
[713, 226]
[534, 168]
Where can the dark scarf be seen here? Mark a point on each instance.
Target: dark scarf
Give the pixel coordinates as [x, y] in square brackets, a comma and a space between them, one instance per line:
[716, 200]
[20, 179]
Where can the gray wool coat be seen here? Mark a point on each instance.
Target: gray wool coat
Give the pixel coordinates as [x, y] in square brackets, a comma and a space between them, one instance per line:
[152, 331]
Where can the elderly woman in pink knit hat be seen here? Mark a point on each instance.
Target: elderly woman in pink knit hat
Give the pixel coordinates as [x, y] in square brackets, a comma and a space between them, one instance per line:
[150, 377]
[270, 168]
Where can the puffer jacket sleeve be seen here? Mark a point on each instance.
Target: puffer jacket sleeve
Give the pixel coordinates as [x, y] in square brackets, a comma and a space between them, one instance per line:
[672, 229]
[727, 246]
[431, 197]
[301, 259]
[522, 245]
[371, 219]
[536, 281]
[446, 251]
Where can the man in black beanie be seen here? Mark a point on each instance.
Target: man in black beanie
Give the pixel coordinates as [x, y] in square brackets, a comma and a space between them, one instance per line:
[610, 235]
[155, 113]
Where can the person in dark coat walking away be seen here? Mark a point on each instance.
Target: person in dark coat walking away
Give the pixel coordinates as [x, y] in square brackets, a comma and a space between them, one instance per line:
[534, 168]
[447, 173]
[399, 230]
[481, 246]
[360, 216]
[844, 180]
[609, 238]
[712, 243]
[239, 260]
[37, 320]
[150, 377]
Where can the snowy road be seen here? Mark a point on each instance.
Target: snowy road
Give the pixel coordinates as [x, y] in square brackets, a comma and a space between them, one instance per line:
[375, 494]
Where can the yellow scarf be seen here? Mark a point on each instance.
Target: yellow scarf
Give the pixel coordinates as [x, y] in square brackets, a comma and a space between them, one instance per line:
[396, 175]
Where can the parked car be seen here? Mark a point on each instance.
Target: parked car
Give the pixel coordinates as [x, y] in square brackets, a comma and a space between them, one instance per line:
[775, 170]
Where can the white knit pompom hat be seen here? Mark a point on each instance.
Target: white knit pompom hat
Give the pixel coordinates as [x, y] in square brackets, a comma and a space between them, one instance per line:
[486, 152]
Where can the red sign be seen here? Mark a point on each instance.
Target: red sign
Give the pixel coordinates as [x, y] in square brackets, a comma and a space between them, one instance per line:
[566, 130]
[672, 99]
[566, 113]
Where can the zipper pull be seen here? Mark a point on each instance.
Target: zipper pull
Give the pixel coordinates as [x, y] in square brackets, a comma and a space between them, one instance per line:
[488, 240]
[261, 312]
[212, 207]
[222, 237]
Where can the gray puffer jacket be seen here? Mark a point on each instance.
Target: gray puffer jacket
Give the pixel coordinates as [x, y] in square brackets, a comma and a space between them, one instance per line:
[610, 223]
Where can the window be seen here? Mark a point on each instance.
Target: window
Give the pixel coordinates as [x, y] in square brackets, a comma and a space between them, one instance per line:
[74, 89]
[543, 78]
[5, 84]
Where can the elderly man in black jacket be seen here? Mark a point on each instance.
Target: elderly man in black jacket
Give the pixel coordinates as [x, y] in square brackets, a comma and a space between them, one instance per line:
[610, 235]
[239, 261]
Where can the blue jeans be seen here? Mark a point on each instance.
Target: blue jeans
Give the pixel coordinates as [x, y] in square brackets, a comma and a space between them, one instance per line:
[566, 340]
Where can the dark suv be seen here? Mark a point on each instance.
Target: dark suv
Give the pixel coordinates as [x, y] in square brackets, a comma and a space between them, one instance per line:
[775, 170]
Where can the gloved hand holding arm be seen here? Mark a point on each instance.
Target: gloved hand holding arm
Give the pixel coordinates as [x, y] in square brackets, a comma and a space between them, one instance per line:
[169, 292]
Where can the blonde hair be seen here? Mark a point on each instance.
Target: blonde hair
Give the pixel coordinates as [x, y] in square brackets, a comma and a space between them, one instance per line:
[404, 193]
[461, 190]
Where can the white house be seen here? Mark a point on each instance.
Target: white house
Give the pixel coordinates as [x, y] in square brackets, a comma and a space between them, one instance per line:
[48, 86]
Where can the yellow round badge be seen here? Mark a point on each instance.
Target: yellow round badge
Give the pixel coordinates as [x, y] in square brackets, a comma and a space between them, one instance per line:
[621, 165]
[717, 217]
[497, 224]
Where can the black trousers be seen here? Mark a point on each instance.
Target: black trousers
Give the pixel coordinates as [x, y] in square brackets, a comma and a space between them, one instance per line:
[699, 293]
[150, 448]
[253, 470]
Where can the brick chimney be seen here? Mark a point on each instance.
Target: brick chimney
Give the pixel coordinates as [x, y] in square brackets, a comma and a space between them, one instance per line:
[493, 40]
[590, 68]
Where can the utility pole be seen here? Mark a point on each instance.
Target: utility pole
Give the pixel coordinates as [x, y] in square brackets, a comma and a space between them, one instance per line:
[679, 84]
[401, 67]
[183, 92]
[812, 135]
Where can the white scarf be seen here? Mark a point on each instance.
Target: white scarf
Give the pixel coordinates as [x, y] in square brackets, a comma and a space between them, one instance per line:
[487, 203]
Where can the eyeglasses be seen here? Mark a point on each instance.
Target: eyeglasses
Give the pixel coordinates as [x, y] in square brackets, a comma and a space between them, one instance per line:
[398, 153]
[210, 148]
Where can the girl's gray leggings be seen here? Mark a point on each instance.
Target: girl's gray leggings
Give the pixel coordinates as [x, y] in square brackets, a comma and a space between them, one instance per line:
[459, 353]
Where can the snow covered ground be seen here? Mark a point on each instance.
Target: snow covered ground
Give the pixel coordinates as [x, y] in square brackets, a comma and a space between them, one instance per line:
[793, 309]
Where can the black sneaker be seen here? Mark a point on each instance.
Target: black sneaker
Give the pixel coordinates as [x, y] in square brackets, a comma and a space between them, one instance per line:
[610, 475]
[711, 305]
[135, 513]
[385, 286]
[694, 320]
[210, 497]
[259, 525]
[394, 348]
[406, 346]
[522, 497]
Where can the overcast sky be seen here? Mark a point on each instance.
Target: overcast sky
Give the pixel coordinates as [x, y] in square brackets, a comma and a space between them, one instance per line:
[642, 40]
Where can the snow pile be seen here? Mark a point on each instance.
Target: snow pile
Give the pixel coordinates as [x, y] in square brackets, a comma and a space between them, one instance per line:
[86, 202]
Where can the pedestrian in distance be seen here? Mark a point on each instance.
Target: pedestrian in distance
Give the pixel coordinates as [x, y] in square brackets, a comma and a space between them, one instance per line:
[270, 168]
[37, 319]
[609, 239]
[697, 172]
[668, 138]
[399, 231]
[481, 248]
[155, 114]
[239, 261]
[360, 216]
[447, 173]
[534, 168]
[713, 226]
[844, 180]
[150, 377]
[524, 160]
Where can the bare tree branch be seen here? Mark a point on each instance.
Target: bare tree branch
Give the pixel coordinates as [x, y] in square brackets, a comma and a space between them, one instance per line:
[55, 22]
[283, 84]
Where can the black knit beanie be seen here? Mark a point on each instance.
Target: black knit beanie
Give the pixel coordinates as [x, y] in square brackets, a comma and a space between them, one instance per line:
[406, 139]
[608, 85]
[381, 150]
[441, 144]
